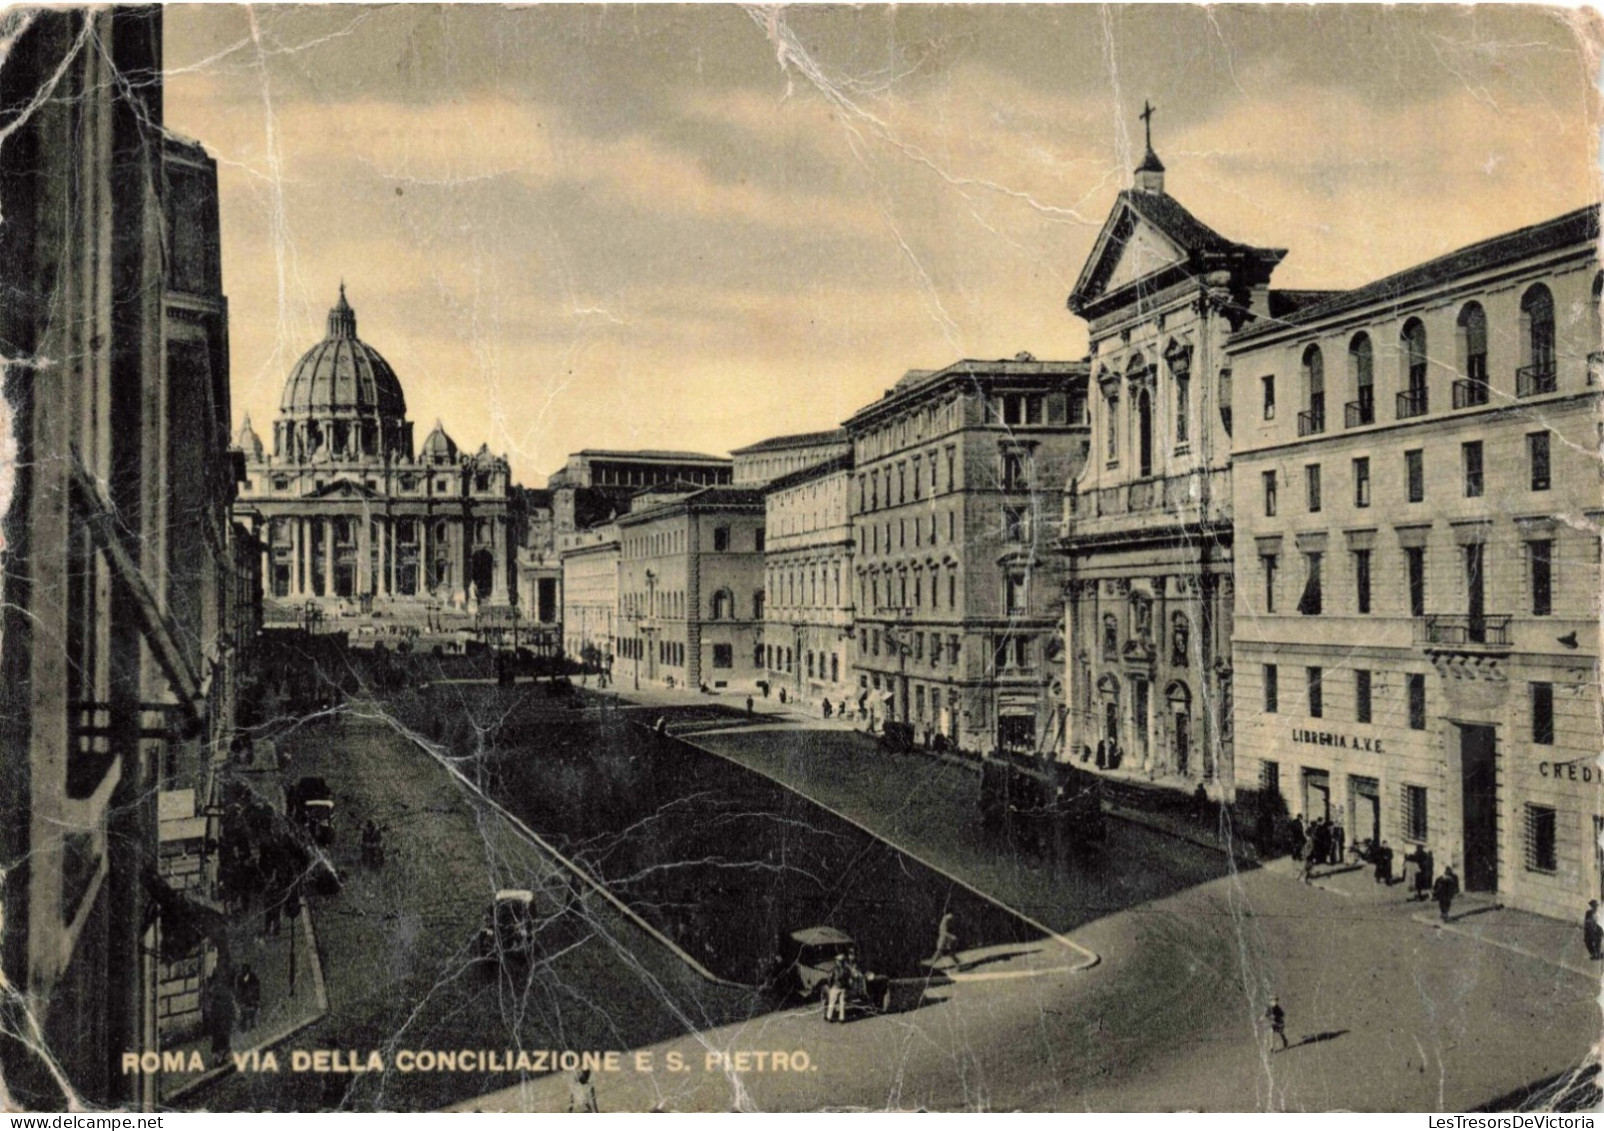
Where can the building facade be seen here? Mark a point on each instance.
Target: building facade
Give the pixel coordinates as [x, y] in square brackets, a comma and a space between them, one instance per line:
[118, 645]
[355, 522]
[1418, 574]
[690, 586]
[957, 477]
[1147, 532]
[767, 460]
[597, 485]
[590, 595]
[808, 588]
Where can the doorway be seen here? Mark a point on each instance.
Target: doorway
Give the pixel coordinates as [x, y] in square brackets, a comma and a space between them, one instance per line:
[1478, 760]
[1316, 794]
[1365, 803]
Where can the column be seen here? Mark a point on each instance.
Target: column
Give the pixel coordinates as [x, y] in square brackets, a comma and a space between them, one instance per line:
[395, 555]
[328, 556]
[363, 583]
[498, 551]
[458, 535]
[306, 556]
[295, 556]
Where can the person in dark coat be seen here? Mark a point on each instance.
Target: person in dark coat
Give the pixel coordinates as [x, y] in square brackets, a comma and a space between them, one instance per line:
[1299, 838]
[1321, 853]
[1384, 864]
[1444, 890]
[1425, 866]
[218, 1013]
[1592, 933]
[1277, 1017]
[248, 994]
[1339, 843]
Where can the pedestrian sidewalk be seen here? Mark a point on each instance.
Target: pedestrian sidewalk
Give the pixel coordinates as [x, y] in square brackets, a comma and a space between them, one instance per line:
[287, 1007]
[1520, 932]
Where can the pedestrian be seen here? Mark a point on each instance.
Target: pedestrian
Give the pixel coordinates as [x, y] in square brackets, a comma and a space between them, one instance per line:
[782, 695]
[581, 1092]
[1444, 890]
[826, 708]
[1321, 852]
[1299, 840]
[841, 709]
[248, 993]
[218, 1014]
[1200, 803]
[1277, 1017]
[1592, 933]
[1308, 868]
[748, 706]
[1339, 841]
[1424, 868]
[1384, 864]
[835, 991]
[946, 941]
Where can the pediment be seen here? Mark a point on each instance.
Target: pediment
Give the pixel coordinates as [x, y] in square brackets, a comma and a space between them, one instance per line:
[1128, 249]
[344, 489]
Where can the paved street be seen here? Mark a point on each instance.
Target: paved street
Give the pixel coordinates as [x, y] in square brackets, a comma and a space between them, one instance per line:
[1385, 1012]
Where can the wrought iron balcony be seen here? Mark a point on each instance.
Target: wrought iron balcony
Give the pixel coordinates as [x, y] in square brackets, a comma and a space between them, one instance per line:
[1311, 421]
[1465, 630]
[1469, 392]
[1534, 380]
[1359, 412]
[1412, 402]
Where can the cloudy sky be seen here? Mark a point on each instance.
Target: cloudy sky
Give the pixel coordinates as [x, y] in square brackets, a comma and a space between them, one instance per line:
[694, 227]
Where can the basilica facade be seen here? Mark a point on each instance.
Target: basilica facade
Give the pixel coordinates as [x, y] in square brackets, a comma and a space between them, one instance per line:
[353, 520]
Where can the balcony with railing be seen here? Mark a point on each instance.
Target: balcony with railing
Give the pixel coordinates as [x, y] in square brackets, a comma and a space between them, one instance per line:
[1535, 380]
[1470, 392]
[1412, 402]
[1312, 421]
[1486, 632]
[1360, 412]
[1196, 496]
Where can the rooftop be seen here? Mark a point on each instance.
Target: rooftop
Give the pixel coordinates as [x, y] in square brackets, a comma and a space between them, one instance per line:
[814, 471]
[796, 440]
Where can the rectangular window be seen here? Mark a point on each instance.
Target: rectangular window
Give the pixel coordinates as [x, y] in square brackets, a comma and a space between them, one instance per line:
[1271, 691]
[1017, 595]
[1417, 702]
[918, 646]
[1021, 651]
[757, 540]
[952, 651]
[1415, 476]
[1268, 384]
[1361, 581]
[1543, 714]
[1269, 493]
[1267, 562]
[1361, 482]
[1311, 603]
[1311, 483]
[1361, 696]
[1540, 556]
[1016, 524]
[1414, 813]
[721, 538]
[1015, 472]
[723, 656]
[1542, 853]
[1470, 457]
[1183, 407]
[1317, 702]
[1537, 457]
[1415, 563]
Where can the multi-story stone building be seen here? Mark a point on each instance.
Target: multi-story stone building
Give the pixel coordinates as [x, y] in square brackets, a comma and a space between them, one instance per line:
[808, 587]
[590, 594]
[958, 474]
[767, 460]
[1417, 499]
[598, 485]
[1147, 532]
[355, 522]
[690, 588]
[118, 637]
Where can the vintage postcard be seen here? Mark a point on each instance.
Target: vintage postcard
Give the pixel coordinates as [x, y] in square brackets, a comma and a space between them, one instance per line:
[800, 558]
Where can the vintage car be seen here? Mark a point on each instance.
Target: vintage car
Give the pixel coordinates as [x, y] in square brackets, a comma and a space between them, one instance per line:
[311, 805]
[805, 960]
[509, 927]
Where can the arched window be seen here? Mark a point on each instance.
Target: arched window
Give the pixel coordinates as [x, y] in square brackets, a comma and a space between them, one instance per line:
[1536, 374]
[1362, 376]
[1312, 419]
[1471, 389]
[1412, 351]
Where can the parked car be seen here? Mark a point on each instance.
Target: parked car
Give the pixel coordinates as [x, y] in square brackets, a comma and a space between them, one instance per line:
[509, 926]
[805, 960]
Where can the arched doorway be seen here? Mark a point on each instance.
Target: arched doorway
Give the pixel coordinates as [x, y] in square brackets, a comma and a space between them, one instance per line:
[483, 573]
[1180, 701]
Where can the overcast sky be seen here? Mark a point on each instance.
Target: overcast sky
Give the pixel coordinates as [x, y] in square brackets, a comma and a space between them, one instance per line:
[694, 227]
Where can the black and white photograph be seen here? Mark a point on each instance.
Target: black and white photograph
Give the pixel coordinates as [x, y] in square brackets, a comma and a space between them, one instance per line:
[800, 558]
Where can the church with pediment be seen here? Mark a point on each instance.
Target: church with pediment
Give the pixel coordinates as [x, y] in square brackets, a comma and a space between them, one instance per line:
[354, 522]
[1148, 524]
